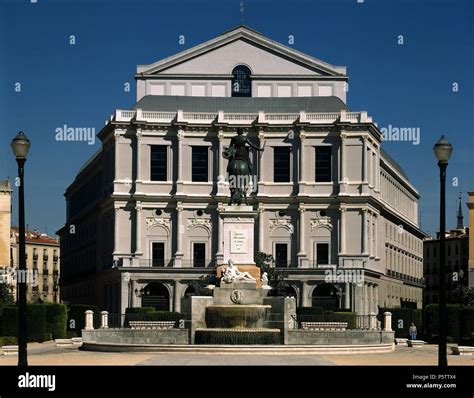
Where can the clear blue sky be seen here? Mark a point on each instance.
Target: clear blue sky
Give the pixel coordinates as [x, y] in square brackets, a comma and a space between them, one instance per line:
[407, 85]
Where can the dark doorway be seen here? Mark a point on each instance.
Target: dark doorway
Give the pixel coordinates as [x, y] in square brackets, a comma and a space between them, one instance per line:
[157, 296]
[199, 254]
[326, 296]
[158, 254]
[281, 254]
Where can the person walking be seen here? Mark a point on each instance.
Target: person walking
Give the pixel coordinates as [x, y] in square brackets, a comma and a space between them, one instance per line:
[412, 331]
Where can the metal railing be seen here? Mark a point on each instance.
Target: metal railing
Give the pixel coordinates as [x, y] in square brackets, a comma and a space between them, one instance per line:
[354, 322]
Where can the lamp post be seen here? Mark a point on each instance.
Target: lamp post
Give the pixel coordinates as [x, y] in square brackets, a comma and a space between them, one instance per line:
[442, 151]
[21, 145]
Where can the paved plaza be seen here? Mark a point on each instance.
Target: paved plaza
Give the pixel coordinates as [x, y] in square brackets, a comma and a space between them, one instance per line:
[48, 354]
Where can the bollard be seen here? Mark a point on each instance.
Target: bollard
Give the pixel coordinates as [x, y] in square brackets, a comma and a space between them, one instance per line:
[387, 324]
[89, 320]
[104, 320]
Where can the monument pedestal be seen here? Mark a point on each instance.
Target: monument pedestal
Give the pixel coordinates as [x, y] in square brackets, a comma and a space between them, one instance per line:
[239, 226]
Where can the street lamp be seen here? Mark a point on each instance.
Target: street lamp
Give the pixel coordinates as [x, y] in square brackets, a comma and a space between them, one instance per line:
[442, 151]
[21, 146]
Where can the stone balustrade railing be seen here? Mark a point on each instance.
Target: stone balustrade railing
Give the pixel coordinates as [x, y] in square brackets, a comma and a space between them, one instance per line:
[222, 117]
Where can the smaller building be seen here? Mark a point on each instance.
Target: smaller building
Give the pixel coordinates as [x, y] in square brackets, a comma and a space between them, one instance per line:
[42, 263]
[457, 262]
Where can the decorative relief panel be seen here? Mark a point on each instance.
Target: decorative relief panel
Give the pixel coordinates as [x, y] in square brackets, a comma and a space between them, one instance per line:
[281, 223]
[321, 222]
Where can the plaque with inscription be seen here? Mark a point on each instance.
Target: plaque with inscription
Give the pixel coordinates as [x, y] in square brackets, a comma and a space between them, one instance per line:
[238, 241]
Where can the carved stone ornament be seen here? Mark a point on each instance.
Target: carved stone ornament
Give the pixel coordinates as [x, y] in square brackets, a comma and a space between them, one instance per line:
[199, 222]
[236, 296]
[152, 221]
[281, 223]
[321, 222]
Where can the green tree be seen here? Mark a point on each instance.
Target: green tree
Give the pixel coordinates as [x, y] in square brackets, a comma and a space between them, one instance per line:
[463, 295]
[6, 294]
[276, 278]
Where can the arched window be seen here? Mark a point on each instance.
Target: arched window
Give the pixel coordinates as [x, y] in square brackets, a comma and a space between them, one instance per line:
[241, 83]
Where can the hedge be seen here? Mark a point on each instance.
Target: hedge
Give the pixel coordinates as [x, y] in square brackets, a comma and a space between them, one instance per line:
[402, 318]
[76, 318]
[349, 317]
[36, 322]
[8, 340]
[56, 320]
[460, 322]
[308, 314]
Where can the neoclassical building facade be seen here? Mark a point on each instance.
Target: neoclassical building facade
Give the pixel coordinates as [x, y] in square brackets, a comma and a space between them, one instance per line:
[339, 216]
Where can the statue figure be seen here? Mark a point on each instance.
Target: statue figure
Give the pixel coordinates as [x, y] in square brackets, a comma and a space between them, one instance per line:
[239, 167]
[264, 279]
[232, 274]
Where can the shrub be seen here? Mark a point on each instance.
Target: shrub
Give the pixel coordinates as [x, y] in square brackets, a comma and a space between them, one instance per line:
[9, 321]
[8, 340]
[467, 322]
[402, 318]
[139, 310]
[36, 327]
[56, 320]
[77, 319]
[431, 316]
[309, 314]
[349, 317]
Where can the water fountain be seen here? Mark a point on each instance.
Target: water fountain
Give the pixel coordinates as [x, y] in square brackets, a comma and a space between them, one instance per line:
[238, 315]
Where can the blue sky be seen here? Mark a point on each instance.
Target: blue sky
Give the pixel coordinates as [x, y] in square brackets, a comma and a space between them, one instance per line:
[409, 85]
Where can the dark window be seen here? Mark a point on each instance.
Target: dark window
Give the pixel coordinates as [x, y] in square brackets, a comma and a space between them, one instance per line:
[159, 160]
[323, 164]
[456, 249]
[281, 254]
[158, 254]
[322, 253]
[449, 250]
[241, 83]
[281, 164]
[199, 254]
[200, 164]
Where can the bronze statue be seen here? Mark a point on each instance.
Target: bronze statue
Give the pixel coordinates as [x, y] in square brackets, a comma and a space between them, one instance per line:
[239, 167]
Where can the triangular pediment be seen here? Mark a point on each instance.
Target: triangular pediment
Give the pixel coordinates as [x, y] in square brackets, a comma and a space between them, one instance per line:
[241, 45]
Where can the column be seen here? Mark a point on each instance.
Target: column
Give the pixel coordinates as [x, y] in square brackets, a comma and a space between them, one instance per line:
[376, 234]
[342, 226]
[116, 230]
[138, 231]
[303, 166]
[364, 176]
[177, 297]
[301, 254]
[364, 231]
[220, 163]
[179, 227]
[370, 298]
[220, 234]
[179, 154]
[376, 298]
[366, 300]
[261, 155]
[347, 297]
[342, 181]
[304, 295]
[261, 226]
[139, 177]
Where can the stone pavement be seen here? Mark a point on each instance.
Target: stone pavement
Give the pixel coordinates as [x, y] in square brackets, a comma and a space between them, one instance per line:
[48, 354]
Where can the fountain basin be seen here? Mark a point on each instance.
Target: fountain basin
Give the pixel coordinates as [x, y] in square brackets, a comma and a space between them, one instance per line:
[237, 316]
[238, 336]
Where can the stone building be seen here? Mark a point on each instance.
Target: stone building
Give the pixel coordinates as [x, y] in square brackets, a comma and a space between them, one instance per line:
[42, 262]
[5, 222]
[457, 262]
[143, 214]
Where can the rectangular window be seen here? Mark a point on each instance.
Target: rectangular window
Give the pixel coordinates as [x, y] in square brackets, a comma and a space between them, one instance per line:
[158, 254]
[322, 253]
[199, 254]
[281, 164]
[323, 164]
[200, 164]
[281, 254]
[158, 163]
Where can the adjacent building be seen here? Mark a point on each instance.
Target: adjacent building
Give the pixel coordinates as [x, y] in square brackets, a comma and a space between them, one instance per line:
[143, 214]
[457, 262]
[42, 262]
[5, 222]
